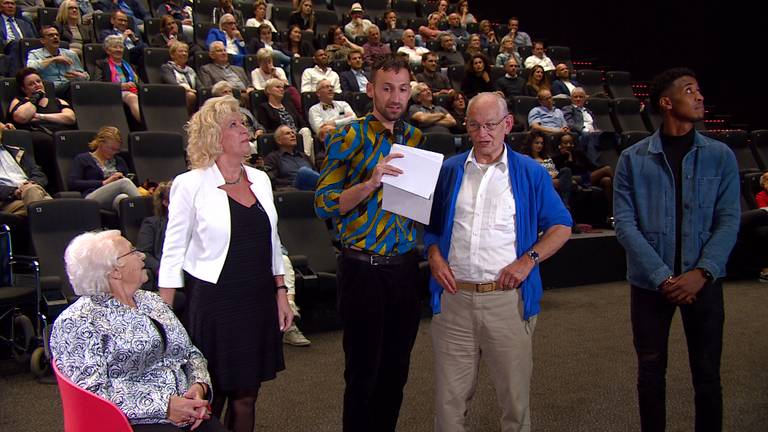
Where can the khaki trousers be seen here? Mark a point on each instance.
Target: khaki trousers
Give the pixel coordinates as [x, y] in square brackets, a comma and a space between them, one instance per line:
[488, 326]
[19, 206]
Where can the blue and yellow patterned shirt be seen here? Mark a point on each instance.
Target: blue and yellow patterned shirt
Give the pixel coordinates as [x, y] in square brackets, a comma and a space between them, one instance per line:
[353, 153]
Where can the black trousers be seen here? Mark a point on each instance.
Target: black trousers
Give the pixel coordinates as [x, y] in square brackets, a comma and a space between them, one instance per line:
[703, 324]
[379, 308]
[211, 425]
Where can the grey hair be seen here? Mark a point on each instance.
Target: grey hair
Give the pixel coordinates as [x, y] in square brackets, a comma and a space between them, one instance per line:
[500, 101]
[581, 89]
[89, 258]
[215, 43]
[218, 88]
[113, 40]
[371, 27]
[223, 17]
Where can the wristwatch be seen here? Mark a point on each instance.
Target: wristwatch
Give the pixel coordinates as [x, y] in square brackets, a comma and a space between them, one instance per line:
[532, 254]
[707, 274]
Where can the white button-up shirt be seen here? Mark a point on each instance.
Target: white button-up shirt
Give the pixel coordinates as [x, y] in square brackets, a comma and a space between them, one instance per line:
[311, 77]
[483, 236]
[339, 115]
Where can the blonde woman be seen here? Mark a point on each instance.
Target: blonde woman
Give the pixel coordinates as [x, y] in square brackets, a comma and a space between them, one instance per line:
[102, 174]
[71, 26]
[222, 245]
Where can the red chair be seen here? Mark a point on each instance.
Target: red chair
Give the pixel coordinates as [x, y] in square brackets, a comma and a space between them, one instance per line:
[87, 412]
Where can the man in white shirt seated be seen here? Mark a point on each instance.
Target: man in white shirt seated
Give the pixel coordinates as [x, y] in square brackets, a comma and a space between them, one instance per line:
[357, 26]
[409, 47]
[310, 78]
[539, 58]
[328, 115]
[563, 85]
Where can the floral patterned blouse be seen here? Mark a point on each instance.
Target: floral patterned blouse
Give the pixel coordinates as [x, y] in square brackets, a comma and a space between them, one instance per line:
[135, 357]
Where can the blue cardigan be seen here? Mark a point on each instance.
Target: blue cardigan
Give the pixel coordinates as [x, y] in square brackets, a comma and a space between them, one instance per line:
[85, 175]
[537, 205]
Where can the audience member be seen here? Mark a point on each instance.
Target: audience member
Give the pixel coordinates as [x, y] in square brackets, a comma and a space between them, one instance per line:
[53, 63]
[274, 112]
[230, 36]
[581, 121]
[338, 45]
[220, 70]
[511, 84]
[533, 146]
[151, 235]
[297, 45]
[303, 16]
[436, 80]
[21, 180]
[761, 198]
[459, 112]
[563, 85]
[328, 115]
[260, 16]
[42, 116]
[456, 28]
[447, 53]
[177, 71]
[425, 114]
[409, 47]
[312, 76]
[442, 10]
[487, 34]
[521, 38]
[374, 47]
[102, 174]
[132, 42]
[226, 7]
[507, 50]
[72, 29]
[86, 10]
[131, 8]
[477, 78]
[430, 32]
[116, 69]
[13, 29]
[546, 117]
[124, 344]
[466, 17]
[169, 33]
[266, 70]
[537, 81]
[391, 31]
[539, 58]
[29, 8]
[584, 172]
[356, 78]
[287, 166]
[474, 46]
[357, 25]
[180, 10]
[264, 41]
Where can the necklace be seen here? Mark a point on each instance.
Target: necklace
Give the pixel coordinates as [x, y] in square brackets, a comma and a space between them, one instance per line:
[239, 177]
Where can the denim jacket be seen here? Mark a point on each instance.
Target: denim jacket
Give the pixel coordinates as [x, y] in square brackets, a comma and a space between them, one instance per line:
[644, 209]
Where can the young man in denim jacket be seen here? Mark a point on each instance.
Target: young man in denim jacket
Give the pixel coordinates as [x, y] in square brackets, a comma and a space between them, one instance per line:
[676, 204]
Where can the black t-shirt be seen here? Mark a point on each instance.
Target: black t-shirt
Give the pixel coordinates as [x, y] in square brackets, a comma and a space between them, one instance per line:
[675, 148]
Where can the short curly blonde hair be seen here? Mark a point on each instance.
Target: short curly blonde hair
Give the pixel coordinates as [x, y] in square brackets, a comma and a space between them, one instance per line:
[204, 131]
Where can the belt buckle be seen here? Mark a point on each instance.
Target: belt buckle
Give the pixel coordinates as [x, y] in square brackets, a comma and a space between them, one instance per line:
[374, 259]
[486, 287]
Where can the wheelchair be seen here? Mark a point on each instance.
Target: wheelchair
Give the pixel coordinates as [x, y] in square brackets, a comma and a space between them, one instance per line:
[20, 297]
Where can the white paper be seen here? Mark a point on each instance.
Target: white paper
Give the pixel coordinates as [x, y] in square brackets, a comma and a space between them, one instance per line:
[406, 204]
[420, 170]
[410, 194]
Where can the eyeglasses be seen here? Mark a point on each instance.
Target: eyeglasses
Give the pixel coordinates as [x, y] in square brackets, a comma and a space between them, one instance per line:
[132, 251]
[489, 126]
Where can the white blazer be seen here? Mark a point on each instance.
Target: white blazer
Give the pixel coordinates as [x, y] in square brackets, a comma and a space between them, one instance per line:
[199, 226]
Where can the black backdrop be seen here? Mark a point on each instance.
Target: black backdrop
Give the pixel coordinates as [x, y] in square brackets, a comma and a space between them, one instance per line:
[724, 42]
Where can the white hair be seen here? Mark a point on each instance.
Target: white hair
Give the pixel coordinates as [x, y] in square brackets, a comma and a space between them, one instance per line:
[215, 44]
[223, 17]
[113, 40]
[502, 103]
[89, 258]
[219, 88]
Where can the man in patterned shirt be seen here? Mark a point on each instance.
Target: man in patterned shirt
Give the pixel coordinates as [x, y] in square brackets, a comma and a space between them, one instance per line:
[378, 268]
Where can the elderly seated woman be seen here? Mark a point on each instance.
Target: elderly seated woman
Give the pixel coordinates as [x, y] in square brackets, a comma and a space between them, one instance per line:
[124, 344]
[101, 174]
[177, 71]
[279, 111]
[117, 70]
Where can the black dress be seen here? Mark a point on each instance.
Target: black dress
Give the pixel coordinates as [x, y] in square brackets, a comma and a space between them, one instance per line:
[234, 322]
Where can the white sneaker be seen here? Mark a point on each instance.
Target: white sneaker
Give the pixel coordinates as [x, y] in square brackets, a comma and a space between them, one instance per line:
[293, 336]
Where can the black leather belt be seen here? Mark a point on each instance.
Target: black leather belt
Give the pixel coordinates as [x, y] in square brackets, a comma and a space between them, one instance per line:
[377, 260]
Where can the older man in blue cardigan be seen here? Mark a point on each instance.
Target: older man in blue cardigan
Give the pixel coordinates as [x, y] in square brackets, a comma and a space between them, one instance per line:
[484, 248]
